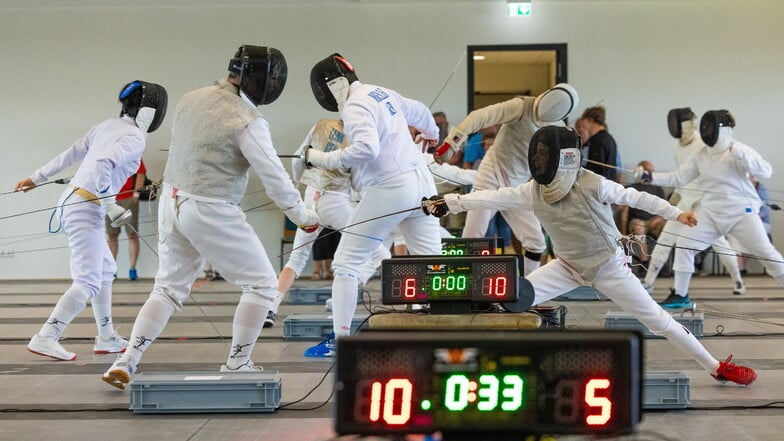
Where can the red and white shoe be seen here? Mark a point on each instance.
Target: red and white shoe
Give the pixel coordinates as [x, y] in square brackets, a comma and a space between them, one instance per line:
[729, 371]
[49, 347]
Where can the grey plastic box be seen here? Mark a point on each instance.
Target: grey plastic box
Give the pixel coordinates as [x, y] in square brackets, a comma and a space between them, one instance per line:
[582, 293]
[316, 326]
[312, 295]
[205, 392]
[618, 319]
[665, 390]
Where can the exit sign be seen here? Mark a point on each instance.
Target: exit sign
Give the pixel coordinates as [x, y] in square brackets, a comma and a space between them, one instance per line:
[519, 9]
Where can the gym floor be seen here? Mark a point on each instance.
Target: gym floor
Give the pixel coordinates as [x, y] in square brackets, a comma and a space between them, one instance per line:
[43, 399]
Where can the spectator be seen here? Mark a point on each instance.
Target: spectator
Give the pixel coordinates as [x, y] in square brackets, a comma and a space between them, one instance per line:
[128, 198]
[602, 149]
[640, 222]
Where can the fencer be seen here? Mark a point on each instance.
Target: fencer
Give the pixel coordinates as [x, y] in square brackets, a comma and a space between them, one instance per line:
[218, 135]
[682, 125]
[109, 153]
[506, 164]
[328, 192]
[573, 205]
[387, 170]
[729, 204]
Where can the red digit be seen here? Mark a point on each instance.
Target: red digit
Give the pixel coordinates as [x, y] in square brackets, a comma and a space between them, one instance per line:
[594, 385]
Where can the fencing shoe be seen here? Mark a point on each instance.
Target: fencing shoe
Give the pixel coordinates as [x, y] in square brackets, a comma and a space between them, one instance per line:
[270, 320]
[49, 347]
[115, 344]
[119, 374]
[132, 274]
[740, 288]
[324, 349]
[674, 301]
[247, 367]
[328, 304]
[729, 371]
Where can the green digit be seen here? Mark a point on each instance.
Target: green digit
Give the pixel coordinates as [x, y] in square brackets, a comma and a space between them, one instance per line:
[450, 283]
[437, 283]
[461, 283]
[514, 392]
[456, 394]
[488, 392]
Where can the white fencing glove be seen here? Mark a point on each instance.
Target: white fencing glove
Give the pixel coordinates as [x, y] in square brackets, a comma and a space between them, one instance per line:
[117, 215]
[317, 158]
[642, 176]
[311, 224]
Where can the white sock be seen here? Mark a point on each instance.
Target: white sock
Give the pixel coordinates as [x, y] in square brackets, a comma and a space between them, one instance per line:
[150, 322]
[248, 322]
[344, 303]
[659, 256]
[71, 304]
[681, 338]
[681, 283]
[102, 311]
[529, 265]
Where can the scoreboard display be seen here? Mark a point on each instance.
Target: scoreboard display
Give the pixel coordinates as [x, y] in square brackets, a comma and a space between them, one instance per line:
[497, 384]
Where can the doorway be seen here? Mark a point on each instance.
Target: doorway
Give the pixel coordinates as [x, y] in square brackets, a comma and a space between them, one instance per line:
[498, 73]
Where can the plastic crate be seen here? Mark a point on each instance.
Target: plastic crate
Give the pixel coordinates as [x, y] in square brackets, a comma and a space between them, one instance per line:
[665, 390]
[205, 392]
[315, 326]
[582, 293]
[618, 319]
[312, 295]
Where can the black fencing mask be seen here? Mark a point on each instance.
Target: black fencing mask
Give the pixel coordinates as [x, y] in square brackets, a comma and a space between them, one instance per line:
[676, 118]
[262, 71]
[146, 103]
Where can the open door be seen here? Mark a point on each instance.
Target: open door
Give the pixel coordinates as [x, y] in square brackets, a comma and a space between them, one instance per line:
[498, 73]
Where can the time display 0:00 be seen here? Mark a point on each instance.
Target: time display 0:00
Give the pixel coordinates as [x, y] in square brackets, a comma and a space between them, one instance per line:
[491, 286]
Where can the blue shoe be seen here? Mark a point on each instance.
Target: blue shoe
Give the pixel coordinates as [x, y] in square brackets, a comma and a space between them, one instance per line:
[324, 349]
[674, 301]
[132, 275]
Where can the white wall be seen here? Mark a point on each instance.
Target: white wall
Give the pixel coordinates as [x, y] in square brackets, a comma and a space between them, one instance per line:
[63, 66]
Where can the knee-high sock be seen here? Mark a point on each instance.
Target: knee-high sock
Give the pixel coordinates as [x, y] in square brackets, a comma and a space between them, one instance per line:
[684, 340]
[71, 303]
[681, 283]
[150, 322]
[248, 321]
[659, 257]
[730, 262]
[344, 303]
[529, 265]
[102, 311]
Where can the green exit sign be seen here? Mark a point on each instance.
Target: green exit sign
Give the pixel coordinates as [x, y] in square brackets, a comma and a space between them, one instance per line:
[519, 9]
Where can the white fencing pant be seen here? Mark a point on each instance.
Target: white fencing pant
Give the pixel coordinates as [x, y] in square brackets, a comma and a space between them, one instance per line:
[666, 242]
[747, 229]
[524, 224]
[616, 281]
[403, 194]
[92, 264]
[190, 231]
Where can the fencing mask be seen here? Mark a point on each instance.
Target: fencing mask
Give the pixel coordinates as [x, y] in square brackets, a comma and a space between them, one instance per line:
[676, 119]
[145, 102]
[554, 160]
[556, 103]
[262, 71]
[330, 79]
[716, 129]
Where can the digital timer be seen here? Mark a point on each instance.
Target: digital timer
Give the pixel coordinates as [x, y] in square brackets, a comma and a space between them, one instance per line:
[449, 278]
[472, 246]
[497, 384]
